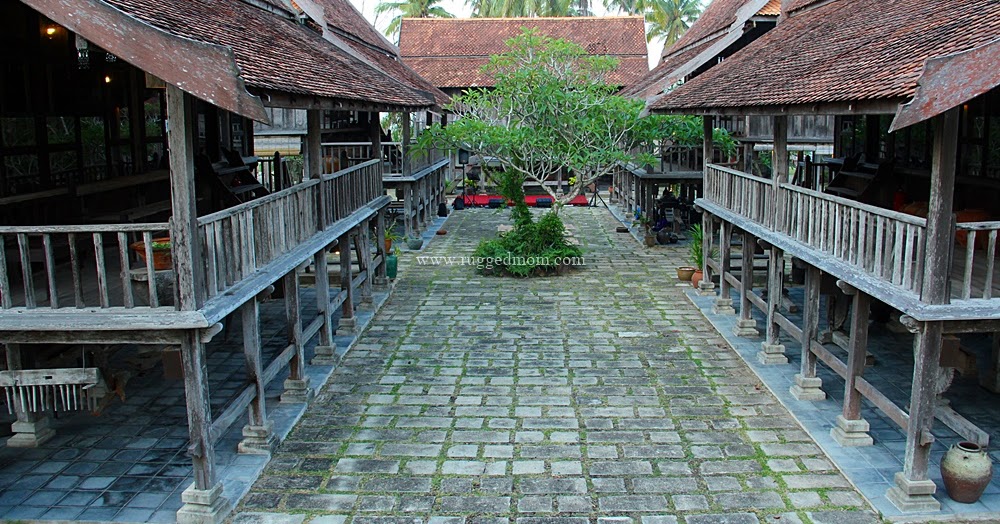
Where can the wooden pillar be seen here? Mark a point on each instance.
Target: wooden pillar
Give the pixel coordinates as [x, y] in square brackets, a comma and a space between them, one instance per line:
[707, 145]
[31, 429]
[724, 303]
[297, 383]
[852, 430]
[363, 247]
[408, 209]
[772, 351]
[203, 500]
[913, 491]
[780, 174]
[405, 146]
[807, 385]
[347, 322]
[706, 286]
[325, 349]
[375, 137]
[314, 149]
[258, 434]
[381, 281]
[746, 326]
[184, 242]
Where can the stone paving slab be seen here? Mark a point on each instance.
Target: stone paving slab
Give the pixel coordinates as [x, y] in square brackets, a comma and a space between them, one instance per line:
[601, 396]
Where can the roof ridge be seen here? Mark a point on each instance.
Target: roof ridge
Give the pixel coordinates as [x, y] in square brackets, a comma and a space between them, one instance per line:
[488, 18]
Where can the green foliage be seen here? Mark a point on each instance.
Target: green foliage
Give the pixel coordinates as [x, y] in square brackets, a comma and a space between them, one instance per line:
[161, 246]
[550, 109]
[696, 249]
[669, 19]
[531, 248]
[687, 130]
[410, 9]
[523, 8]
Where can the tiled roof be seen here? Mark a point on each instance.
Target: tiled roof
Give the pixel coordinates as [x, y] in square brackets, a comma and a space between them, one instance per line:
[450, 51]
[773, 8]
[718, 19]
[843, 51]
[275, 53]
[666, 73]
[366, 40]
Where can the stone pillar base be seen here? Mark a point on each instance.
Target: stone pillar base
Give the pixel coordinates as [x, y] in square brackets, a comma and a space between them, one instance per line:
[746, 327]
[367, 302]
[706, 287]
[772, 354]
[723, 306]
[380, 284]
[851, 433]
[347, 326]
[296, 391]
[807, 388]
[325, 356]
[258, 440]
[913, 495]
[203, 506]
[30, 434]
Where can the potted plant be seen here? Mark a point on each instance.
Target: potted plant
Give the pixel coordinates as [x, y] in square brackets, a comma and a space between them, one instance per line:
[391, 237]
[162, 259]
[414, 243]
[696, 253]
[648, 237]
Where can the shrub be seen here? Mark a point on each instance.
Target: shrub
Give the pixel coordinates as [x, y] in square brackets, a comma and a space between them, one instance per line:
[531, 248]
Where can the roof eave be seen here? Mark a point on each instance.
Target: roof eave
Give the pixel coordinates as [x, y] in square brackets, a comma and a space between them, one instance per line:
[858, 107]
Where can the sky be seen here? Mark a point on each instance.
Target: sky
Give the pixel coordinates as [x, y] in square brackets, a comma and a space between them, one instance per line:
[459, 9]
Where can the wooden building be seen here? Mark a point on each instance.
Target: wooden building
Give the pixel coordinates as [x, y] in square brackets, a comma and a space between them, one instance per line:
[128, 123]
[911, 88]
[450, 52]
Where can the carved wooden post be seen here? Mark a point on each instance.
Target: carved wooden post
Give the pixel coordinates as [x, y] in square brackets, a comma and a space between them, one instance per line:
[258, 434]
[347, 322]
[771, 350]
[807, 385]
[746, 326]
[297, 383]
[724, 303]
[913, 490]
[31, 429]
[852, 430]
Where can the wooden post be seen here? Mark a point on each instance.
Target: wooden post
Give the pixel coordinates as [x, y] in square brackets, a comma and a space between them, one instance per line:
[375, 137]
[314, 148]
[851, 430]
[404, 146]
[807, 385]
[746, 326]
[707, 145]
[185, 245]
[381, 281]
[31, 429]
[724, 303]
[297, 383]
[706, 287]
[780, 174]
[203, 500]
[347, 322]
[325, 349]
[258, 434]
[913, 491]
[363, 247]
[772, 351]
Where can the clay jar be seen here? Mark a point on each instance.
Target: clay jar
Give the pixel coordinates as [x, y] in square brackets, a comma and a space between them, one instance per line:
[966, 470]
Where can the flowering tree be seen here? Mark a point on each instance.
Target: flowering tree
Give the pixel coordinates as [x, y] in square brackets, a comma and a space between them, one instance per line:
[550, 110]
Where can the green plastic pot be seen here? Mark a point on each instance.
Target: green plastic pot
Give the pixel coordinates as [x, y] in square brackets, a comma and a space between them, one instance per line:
[391, 266]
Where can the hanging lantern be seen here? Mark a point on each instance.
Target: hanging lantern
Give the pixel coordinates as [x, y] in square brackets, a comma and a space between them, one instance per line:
[82, 52]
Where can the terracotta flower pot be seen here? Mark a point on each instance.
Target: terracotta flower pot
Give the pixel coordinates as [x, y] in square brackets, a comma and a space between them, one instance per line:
[684, 273]
[696, 277]
[162, 257]
[966, 470]
[649, 240]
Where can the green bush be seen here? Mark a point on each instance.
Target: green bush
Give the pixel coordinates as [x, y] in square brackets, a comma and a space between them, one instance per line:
[532, 248]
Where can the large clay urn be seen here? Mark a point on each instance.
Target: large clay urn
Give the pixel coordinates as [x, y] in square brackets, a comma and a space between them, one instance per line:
[966, 470]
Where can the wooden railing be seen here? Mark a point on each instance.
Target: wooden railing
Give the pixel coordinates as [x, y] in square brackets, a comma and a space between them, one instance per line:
[337, 154]
[977, 260]
[240, 240]
[876, 241]
[76, 266]
[880, 242]
[746, 195]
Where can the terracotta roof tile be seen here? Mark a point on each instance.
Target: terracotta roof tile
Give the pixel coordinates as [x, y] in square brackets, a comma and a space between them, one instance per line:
[449, 51]
[842, 51]
[275, 53]
[666, 73]
[773, 8]
[717, 17]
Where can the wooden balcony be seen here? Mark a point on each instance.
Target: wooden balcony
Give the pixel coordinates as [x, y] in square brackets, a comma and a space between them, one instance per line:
[86, 278]
[878, 251]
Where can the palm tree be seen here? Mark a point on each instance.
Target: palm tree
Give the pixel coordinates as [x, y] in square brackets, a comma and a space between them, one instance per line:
[668, 19]
[410, 9]
[526, 8]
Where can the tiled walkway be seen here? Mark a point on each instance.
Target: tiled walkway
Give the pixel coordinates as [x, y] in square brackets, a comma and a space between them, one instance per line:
[600, 396]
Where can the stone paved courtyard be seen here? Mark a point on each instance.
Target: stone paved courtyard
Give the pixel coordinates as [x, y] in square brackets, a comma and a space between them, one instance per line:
[600, 396]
